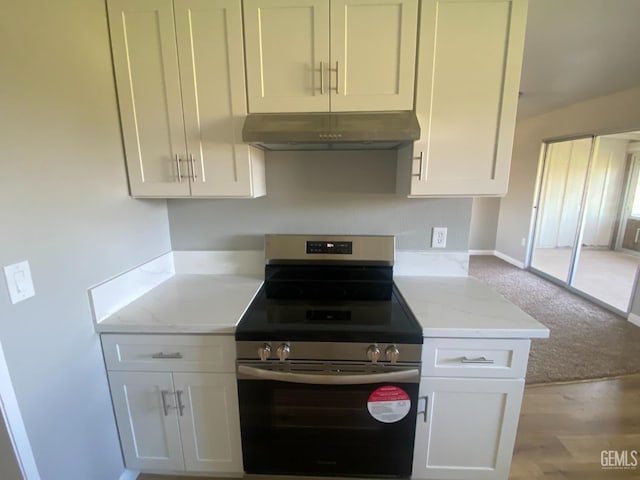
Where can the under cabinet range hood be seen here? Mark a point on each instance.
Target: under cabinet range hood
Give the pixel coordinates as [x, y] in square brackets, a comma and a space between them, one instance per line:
[331, 131]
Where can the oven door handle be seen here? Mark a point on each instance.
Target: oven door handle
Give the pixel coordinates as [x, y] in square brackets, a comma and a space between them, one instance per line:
[409, 376]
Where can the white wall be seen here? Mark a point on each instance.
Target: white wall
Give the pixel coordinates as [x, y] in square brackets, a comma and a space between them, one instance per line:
[64, 207]
[609, 114]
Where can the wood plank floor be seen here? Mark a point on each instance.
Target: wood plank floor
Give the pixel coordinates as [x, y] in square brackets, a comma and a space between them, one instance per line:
[563, 430]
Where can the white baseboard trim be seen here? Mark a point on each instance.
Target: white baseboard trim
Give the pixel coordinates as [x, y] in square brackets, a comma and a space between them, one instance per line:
[633, 318]
[500, 255]
[482, 252]
[508, 259]
[129, 475]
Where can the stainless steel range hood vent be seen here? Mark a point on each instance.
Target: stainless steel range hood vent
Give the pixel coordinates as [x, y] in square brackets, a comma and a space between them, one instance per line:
[331, 131]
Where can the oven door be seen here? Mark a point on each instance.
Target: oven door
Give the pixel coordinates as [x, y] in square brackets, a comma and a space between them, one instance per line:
[337, 424]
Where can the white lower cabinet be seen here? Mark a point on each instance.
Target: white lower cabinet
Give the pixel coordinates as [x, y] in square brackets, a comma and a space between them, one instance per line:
[149, 437]
[467, 421]
[468, 429]
[174, 421]
[209, 426]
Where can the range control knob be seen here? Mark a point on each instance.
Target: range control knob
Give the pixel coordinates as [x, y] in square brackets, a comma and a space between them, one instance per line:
[283, 352]
[265, 352]
[373, 353]
[392, 353]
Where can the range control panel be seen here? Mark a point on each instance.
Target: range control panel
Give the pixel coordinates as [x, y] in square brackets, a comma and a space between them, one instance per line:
[340, 248]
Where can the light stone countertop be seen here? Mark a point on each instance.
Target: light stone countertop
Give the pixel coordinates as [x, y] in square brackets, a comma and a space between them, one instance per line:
[464, 307]
[187, 303]
[453, 307]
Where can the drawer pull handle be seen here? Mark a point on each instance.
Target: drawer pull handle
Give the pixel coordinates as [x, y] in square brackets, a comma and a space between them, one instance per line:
[167, 355]
[477, 360]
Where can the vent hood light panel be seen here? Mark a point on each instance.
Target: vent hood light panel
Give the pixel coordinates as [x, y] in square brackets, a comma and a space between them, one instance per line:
[331, 131]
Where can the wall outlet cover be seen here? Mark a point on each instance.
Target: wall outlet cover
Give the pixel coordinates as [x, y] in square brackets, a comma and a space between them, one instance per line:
[439, 237]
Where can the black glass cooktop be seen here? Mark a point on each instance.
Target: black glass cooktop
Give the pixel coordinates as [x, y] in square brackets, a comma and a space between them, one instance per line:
[334, 319]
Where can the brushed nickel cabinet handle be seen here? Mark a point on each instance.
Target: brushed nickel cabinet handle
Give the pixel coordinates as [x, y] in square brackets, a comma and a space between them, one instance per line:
[176, 355]
[424, 412]
[337, 77]
[477, 360]
[321, 78]
[419, 174]
[180, 404]
[192, 161]
[178, 168]
[165, 405]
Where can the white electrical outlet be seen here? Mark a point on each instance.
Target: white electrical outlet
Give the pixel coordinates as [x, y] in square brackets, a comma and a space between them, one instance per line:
[439, 237]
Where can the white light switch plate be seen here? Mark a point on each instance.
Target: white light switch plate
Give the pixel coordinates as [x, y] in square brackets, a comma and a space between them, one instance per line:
[19, 281]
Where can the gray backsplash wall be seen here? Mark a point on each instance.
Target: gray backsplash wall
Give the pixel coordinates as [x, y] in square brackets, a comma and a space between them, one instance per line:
[320, 192]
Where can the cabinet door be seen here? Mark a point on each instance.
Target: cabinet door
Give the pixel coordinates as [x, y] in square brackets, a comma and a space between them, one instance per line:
[148, 425]
[285, 43]
[210, 422]
[469, 428]
[209, 38]
[146, 68]
[468, 80]
[373, 49]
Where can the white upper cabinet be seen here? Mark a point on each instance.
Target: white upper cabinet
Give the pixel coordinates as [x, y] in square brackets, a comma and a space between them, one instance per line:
[373, 54]
[286, 41]
[330, 55]
[180, 76]
[468, 79]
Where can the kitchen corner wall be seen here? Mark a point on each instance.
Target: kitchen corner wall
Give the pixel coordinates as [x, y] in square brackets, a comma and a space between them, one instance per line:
[320, 192]
[613, 113]
[64, 208]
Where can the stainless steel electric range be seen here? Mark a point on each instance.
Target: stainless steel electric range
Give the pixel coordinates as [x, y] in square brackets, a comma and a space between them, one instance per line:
[328, 361]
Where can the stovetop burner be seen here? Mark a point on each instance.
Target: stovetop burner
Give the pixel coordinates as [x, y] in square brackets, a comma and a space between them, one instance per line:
[333, 289]
[334, 321]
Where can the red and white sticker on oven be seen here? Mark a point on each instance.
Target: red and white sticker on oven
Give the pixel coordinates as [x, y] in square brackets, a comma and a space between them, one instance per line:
[389, 404]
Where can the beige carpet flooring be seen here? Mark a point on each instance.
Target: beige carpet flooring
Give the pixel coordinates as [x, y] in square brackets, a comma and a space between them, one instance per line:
[586, 340]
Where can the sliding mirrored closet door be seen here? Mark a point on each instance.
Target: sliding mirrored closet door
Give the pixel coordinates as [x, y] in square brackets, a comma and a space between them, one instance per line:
[559, 209]
[587, 225]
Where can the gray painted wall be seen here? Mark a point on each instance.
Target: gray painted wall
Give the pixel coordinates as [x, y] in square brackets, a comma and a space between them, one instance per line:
[320, 192]
[64, 207]
[484, 223]
[608, 114]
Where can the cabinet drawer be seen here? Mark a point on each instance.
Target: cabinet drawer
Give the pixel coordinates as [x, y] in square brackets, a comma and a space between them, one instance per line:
[450, 357]
[176, 353]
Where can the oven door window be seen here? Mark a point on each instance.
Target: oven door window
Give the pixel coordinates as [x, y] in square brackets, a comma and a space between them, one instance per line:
[290, 428]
